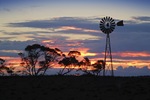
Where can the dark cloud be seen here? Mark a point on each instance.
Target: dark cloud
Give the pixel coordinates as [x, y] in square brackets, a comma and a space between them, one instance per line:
[142, 18]
[57, 23]
[132, 71]
[86, 23]
[6, 38]
[134, 27]
[130, 37]
[5, 9]
[134, 41]
[13, 45]
[19, 33]
[60, 42]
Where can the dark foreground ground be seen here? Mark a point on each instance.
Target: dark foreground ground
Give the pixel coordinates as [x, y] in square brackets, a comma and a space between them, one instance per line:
[74, 88]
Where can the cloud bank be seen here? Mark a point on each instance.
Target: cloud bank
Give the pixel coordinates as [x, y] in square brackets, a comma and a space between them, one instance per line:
[130, 43]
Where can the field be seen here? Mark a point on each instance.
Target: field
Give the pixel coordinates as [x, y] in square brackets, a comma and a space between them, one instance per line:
[74, 88]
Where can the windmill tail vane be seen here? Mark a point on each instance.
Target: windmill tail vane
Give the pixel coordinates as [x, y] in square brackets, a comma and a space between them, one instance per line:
[120, 23]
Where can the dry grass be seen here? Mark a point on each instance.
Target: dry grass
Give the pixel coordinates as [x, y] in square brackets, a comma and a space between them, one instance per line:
[74, 88]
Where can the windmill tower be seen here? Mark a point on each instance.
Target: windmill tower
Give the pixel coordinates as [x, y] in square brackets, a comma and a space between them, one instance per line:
[107, 26]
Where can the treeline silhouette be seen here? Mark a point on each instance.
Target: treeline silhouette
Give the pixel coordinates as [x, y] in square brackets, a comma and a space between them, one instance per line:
[37, 59]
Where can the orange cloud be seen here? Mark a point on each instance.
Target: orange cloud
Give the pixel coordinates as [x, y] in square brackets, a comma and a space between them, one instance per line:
[131, 54]
[64, 28]
[10, 51]
[74, 43]
[6, 57]
[47, 41]
[84, 52]
[12, 61]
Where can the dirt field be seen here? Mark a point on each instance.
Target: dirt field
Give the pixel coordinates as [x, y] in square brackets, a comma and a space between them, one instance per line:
[74, 88]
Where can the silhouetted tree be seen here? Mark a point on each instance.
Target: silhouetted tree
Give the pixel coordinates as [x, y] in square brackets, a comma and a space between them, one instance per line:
[69, 63]
[2, 61]
[84, 66]
[4, 69]
[74, 54]
[98, 66]
[2, 65]
[37, 59]
[50, 57]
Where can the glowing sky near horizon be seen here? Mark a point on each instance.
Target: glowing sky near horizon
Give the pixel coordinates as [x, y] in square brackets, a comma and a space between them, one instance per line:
[74, 25]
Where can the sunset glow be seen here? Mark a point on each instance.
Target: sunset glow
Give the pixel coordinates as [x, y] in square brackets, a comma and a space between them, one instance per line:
[64, 28]
[132, 54]
[73, 25]
[84, 52]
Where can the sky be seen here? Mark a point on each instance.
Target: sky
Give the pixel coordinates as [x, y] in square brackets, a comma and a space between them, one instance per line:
[74, 25]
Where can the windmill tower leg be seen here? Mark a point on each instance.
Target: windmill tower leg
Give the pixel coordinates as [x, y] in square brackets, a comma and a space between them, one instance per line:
[108, 55]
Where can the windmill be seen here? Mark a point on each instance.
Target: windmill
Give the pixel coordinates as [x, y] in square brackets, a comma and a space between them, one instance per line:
[107, 26]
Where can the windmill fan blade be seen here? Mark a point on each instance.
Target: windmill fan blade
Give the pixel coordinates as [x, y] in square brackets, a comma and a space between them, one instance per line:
[108, 18]
[104, 18]
[120, 23]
